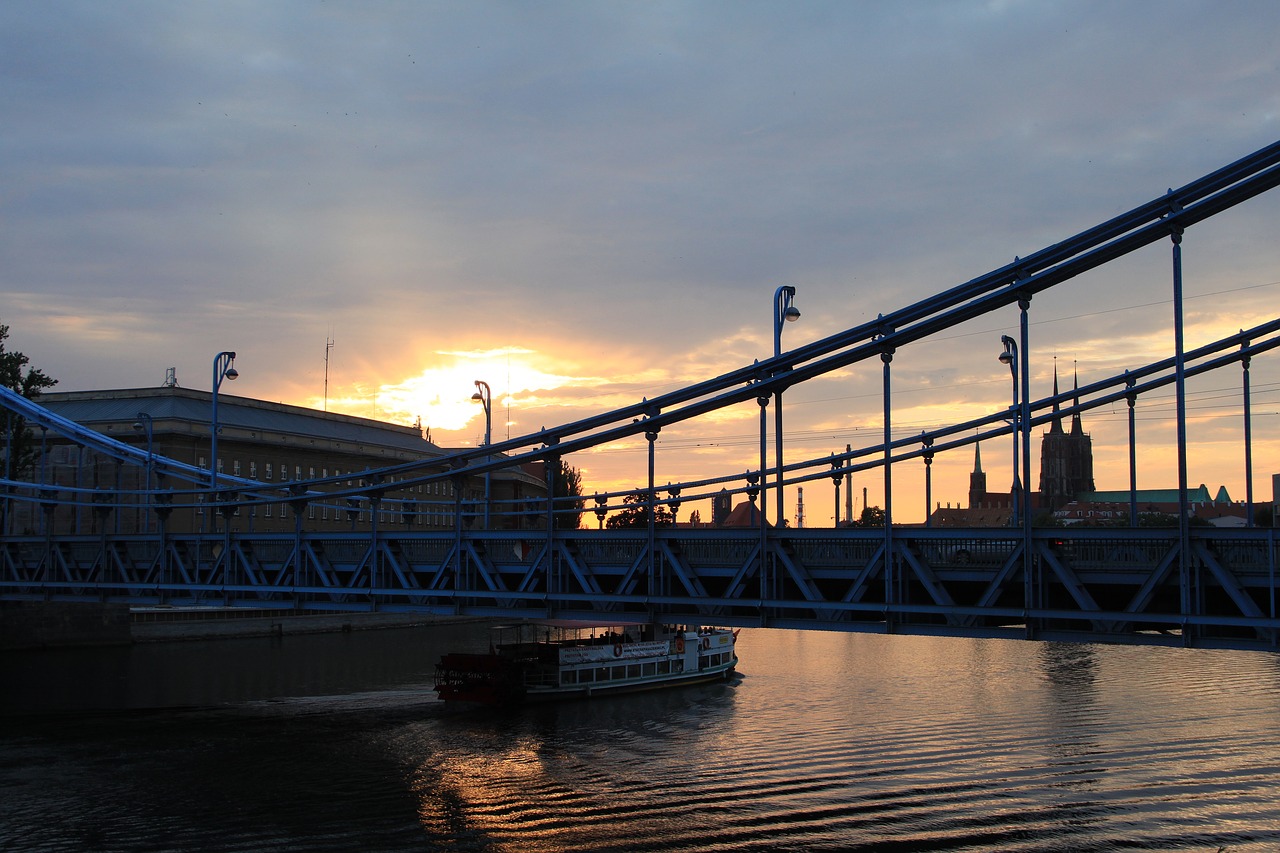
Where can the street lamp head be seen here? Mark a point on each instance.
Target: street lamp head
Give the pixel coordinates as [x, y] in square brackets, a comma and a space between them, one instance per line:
[477, 397]
[791, 314]
[138, 427]
[1010, 354]
[231, 373]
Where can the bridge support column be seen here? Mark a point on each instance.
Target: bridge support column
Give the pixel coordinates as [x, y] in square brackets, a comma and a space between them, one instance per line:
[765, 589]
[651, 436]
[1248, 442]
[1132, 399]
[928, 482]
[1029, 561]
[554, 582]
[1187, 598]
[890, 575]
[459, 581]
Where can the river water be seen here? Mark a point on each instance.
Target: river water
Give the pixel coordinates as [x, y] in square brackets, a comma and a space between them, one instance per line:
[824, 742]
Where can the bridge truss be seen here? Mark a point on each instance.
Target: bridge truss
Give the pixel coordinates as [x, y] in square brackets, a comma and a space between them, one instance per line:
[1179, 585]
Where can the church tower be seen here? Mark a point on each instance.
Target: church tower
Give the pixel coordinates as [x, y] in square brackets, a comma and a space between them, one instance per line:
[1066, 458]
[977, 479]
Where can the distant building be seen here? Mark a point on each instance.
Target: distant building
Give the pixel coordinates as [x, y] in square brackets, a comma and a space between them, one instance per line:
[745, 514]
[271, 443]
[1067, 489]
[979, 497]
[1066, 459]
[1110, 507]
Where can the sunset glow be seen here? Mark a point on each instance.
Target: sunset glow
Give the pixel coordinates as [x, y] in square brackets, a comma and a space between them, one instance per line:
[589, 207]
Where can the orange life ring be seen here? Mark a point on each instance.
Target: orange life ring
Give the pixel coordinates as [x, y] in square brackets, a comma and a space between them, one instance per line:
[679, 645]
[617, 650]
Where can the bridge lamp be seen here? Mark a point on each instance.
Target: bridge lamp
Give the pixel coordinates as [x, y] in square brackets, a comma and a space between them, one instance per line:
[783, 312]
[144, 424]
[223, 368]
[1010, 357]
[484, 397]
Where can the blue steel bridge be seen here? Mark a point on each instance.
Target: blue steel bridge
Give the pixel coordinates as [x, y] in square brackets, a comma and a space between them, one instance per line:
[1189, 585]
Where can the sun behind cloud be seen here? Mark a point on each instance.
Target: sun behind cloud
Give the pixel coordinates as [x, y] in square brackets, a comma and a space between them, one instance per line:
[442, 394]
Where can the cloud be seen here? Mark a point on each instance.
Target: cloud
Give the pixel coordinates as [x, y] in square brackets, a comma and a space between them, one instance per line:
[616, 189]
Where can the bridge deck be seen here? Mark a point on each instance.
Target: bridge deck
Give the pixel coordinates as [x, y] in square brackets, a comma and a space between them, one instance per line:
[1108, 585]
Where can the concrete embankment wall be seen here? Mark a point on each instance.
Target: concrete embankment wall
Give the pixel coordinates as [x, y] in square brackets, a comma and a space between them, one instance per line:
[40, 625]
[52, 624]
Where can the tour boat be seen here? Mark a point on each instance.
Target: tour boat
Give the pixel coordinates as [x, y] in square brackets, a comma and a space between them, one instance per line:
[545, 661]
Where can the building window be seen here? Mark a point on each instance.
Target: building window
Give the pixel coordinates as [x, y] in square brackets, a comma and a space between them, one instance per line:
[270, 472]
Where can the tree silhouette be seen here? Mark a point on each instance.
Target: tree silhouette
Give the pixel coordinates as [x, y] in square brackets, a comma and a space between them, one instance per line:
[27, 381]
[636, 514]
[568, 497]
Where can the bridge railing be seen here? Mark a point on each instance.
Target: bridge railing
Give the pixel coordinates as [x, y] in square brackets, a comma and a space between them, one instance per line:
[1108, 585]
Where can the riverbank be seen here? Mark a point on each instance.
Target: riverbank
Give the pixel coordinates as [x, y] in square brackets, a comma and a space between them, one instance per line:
[146, 628]
[45, 625]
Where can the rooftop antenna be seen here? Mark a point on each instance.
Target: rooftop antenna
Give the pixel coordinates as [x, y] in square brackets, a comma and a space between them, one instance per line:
[171, 377]
[328, 345]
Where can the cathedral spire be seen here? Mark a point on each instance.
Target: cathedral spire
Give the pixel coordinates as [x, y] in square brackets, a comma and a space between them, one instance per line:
[977, 480]
[1077, 427]
[1056, 425]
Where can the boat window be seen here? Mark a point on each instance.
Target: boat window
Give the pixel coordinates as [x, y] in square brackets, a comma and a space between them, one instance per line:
[633, 670]
[649, 669]
[586, 676]
[664, 667]
[619, 672]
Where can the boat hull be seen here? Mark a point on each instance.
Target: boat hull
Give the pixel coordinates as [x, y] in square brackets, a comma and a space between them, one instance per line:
[538, 664]
[590, 691]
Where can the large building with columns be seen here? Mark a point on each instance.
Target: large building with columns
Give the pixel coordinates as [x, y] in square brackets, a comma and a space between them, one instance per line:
[272, 443]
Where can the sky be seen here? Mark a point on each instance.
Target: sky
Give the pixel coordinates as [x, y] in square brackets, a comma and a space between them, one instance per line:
[584, 204]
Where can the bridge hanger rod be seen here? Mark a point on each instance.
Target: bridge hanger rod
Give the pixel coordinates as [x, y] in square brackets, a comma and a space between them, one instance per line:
[1232, 184]
[875, 452]
[1198, 200]
[1137, 388]
[1180, 208]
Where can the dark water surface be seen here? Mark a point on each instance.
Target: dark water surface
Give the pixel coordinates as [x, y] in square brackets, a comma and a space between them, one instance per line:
[825, 742]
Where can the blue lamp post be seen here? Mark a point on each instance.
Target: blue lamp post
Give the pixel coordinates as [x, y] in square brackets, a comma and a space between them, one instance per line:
[783, 312]
[144, 424]
[485, 398]
[1010, 357]
[223, 368]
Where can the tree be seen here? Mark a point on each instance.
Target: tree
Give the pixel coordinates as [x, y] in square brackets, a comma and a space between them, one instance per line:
[29, 382]
[568, 497]
[872, 516]
[636, 514]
